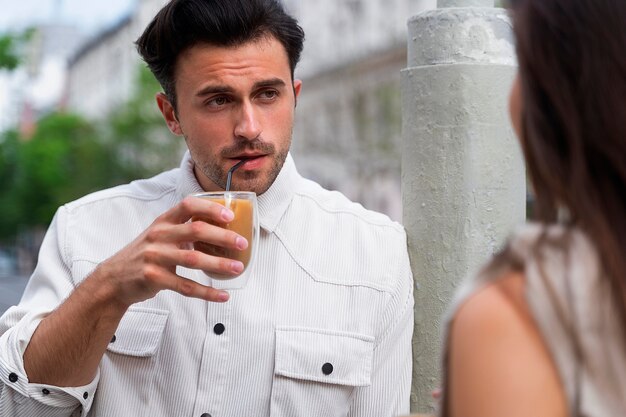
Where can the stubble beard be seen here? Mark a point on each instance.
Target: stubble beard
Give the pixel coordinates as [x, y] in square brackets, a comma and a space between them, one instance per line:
[256, 181]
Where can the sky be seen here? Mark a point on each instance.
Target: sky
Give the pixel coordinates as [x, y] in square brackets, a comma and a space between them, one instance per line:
[89, 15]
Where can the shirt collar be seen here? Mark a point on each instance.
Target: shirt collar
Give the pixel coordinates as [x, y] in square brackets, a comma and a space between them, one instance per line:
[272, 204]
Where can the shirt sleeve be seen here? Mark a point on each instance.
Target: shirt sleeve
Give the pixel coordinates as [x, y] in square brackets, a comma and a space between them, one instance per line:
[389, 392]
[50, 284]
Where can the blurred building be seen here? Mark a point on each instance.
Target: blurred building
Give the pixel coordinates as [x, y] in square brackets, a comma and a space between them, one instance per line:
[11, 99]
[101, 75]
[348, 126]
[37, 87]
[340, 31]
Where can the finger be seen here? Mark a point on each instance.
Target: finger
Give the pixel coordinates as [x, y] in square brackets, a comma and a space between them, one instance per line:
[200, 231]
[158, 278]
[190, 288]
[197, 231]
[194, 259]
[198, 207]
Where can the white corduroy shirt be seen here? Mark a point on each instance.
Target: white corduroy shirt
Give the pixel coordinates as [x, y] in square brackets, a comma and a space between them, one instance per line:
[322, 326]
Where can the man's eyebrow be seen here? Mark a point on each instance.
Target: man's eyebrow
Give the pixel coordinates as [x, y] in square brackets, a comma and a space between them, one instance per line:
[214, 89]
[273, 82]
[222, 89]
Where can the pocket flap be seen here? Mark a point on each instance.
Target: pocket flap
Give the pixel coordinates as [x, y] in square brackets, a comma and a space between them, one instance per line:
[324, 356]
[139, 332]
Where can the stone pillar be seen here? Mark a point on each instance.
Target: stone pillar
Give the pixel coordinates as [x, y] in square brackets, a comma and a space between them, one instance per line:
[463, 178]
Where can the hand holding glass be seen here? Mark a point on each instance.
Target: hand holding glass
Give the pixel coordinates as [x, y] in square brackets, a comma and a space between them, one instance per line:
[245, 223]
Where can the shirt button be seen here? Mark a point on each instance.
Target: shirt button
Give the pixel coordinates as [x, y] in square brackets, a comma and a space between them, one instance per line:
[206, 415]
[327, 368]
[219, 329]
[113, 339]
[45, 391]
[85, 395]
[13, 377]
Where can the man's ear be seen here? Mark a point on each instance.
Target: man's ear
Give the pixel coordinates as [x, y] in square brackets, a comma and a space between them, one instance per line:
[297, 86]
[169, 114]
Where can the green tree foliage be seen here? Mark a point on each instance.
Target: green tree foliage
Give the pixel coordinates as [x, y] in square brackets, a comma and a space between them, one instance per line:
[144, 144]
[9, 203]
[68, 157]
[10, 44]
[8, 57]
[61, 162]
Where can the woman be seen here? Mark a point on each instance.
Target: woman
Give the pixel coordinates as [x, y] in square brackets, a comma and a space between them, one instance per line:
[541, 331]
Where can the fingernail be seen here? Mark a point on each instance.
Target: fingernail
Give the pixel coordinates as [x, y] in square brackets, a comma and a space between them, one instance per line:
[241, 243]
[236, 266]
[223, 296]
[227, 215]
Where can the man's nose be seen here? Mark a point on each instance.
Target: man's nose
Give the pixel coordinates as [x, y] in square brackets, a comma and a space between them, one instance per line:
[247, 125]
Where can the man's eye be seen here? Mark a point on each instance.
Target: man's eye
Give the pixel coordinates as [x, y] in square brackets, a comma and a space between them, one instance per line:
[218, 101]
[268, 95]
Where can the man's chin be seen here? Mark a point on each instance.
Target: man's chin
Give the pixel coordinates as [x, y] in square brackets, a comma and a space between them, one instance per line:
[253, 182]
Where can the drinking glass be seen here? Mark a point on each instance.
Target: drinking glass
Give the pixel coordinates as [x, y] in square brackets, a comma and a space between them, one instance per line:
[246, 223]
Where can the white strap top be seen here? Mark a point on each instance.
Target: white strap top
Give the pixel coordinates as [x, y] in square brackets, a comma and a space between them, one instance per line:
[572, 306]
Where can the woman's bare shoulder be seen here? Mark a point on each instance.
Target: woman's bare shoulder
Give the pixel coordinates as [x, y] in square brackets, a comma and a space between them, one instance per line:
[498, 363]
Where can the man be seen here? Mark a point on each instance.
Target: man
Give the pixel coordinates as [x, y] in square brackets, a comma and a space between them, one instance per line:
[119, 318]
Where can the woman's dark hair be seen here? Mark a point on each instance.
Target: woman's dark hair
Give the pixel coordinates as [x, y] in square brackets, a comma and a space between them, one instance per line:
[182, 24]
[572, 63]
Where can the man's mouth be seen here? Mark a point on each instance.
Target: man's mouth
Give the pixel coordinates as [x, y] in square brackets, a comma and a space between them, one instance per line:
[248, 156]
[253, 161]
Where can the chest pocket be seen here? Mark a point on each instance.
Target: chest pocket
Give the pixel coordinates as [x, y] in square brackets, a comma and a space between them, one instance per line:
[131, 361]
[316, 371]
[139, 332]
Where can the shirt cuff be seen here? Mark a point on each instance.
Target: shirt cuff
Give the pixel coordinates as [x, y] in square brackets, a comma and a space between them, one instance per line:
[49, 395]
[13, 343]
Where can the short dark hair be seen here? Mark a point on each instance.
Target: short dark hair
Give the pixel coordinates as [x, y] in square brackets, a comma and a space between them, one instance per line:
[182, 24]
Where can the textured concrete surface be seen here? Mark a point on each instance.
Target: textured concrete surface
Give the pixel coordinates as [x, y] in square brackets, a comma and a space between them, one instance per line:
[462, 171]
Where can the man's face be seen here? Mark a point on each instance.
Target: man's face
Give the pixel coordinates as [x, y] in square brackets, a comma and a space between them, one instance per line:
[234, 103]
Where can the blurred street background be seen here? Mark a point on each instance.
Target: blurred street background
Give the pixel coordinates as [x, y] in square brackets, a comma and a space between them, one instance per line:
[11, 288]
[77, 110]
